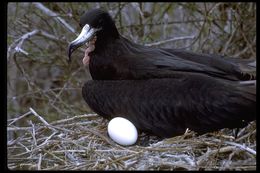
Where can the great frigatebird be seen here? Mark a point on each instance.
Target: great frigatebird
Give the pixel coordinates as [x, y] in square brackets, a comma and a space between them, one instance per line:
[162, 91]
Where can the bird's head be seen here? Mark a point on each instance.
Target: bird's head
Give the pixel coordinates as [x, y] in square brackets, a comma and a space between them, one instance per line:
[98, 28]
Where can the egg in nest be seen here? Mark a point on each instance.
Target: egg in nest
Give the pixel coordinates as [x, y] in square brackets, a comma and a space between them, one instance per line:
[122, 131]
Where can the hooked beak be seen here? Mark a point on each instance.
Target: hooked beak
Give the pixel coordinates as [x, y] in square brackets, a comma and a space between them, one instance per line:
[86, 35]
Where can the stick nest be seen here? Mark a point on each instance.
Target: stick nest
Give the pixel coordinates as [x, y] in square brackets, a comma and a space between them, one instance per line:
[82, 143]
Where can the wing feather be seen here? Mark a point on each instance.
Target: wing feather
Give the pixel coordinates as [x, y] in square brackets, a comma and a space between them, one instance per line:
[166, 107]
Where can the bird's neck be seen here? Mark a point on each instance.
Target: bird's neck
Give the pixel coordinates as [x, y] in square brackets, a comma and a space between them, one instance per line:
[102, 45]
[107, 37]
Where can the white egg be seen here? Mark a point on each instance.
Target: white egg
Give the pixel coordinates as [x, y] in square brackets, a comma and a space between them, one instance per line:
[122, 131]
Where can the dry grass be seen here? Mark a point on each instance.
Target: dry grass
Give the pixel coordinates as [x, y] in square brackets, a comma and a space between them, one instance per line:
[82, 143]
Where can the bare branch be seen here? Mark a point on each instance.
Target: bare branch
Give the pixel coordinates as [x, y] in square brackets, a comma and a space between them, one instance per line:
[34, 143]
[37, 115]
[17, 44]
[39, 162]
[53, 14]
[20, 117]
[238, 145]
[243, 147]
[170, 40]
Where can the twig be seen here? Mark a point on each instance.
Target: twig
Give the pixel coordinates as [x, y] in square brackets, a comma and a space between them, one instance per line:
[53, 14]
[38, 116]
[33, 135]
[39, 162]
[170, 40]
[245, 167]
[40, 91]
[27, 150]
[241, 52]
[46, 140]
[19, 49]
[47, 124]
[65, 85]
[241, 147]
[73, 124]
[100, 135]
[19, 128]
[73, 142]
[17, 44]
[237, 145]
[37, 149]
[74, 118]
[49, 36]
[122, 158]
[56, 157]
[246, 135]
[72, 151]
[13, 142]
[202, 159]
[228, 42]
[172, 23]
[20, 117]
[249, 44]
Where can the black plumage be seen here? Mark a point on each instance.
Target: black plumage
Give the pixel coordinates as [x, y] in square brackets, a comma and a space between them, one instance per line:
[163, 91]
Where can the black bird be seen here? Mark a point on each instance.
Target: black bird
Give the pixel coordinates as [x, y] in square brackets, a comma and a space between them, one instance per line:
[162, 91]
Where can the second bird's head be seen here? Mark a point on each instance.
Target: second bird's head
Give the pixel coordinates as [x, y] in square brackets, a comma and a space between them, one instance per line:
[98, 24]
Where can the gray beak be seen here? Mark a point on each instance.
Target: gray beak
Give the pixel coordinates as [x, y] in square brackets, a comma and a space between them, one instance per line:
[86, 35]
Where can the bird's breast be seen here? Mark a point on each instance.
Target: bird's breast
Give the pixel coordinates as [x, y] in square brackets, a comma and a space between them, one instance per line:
[101, 69]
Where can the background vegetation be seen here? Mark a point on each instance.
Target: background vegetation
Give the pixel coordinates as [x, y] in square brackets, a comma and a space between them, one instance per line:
[39, 77]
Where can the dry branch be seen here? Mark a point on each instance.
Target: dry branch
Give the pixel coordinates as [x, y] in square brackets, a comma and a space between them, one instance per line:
[53, 14]
[16, 46]
[170, 40]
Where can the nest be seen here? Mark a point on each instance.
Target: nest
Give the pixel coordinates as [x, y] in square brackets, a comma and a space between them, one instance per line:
[82, 143]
